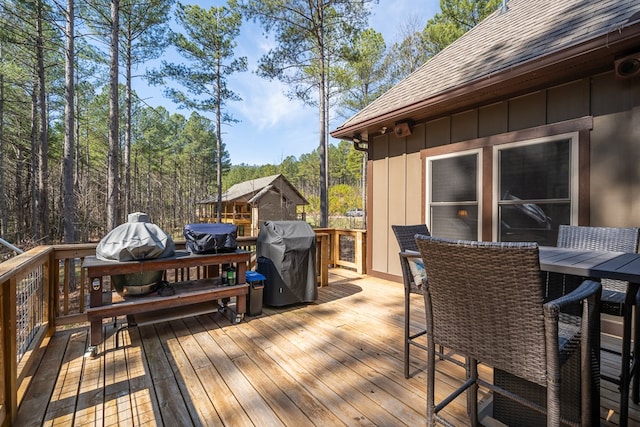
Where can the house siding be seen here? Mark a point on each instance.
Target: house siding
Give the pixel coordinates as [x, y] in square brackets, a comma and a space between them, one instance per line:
[396, 195]
[379, 206]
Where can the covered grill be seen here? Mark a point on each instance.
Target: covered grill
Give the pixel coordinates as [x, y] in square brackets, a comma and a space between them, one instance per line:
[286, 253]
[135, 240]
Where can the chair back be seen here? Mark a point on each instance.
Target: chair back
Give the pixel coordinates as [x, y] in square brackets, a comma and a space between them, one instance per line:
[600, 239]
[405, 234]
[485, 300]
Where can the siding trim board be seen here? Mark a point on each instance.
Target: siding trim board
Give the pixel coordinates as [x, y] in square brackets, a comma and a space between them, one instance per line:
[568, 126]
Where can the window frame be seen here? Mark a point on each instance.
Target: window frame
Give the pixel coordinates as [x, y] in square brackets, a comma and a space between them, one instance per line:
[582, 173]
[429, 185]
[574, 179]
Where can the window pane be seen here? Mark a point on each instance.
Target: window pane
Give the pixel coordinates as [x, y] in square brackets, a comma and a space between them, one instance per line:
[454, 179]
[455, 221]
[535, 171]
[529, 222]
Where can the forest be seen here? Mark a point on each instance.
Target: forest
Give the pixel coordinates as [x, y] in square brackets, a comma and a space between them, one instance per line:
[79, 149]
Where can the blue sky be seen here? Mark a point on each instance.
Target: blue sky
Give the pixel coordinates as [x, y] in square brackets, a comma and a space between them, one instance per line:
[271, 127]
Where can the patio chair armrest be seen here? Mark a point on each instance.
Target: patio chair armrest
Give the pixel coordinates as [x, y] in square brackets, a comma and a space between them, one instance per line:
[412, 271]
[409, 254]
[587, 289]
[567, 334]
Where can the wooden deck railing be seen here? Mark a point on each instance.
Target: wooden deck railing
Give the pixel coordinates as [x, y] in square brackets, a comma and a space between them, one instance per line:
[26, 319]
[46, 287]
[346, 248]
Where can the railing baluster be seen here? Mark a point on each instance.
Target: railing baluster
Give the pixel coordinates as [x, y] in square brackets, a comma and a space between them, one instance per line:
[81, 286]
[65, 286]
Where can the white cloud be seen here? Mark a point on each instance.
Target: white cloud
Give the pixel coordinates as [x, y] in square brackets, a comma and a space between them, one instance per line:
[271, 125]
[265, 104]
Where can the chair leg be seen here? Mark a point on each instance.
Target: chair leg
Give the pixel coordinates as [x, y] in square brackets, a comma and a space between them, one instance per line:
[627, 311]
[431, 382]
[472, 391]
[635, 361]
[406, 332]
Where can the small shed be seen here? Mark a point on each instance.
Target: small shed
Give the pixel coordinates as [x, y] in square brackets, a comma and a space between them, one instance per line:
[249, 203]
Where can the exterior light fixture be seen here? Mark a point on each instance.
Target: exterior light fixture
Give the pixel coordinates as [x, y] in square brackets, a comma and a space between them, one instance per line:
[402, 129]
[359, 144]
[628, 67]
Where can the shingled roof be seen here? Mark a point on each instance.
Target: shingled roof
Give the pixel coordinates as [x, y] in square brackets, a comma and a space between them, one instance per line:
[532, 44]
[250, 191]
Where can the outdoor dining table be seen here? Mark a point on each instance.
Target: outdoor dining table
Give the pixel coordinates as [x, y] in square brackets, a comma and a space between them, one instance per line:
[602, 265]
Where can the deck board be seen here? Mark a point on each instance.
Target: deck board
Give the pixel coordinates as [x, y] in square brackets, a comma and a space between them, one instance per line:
[284, 384]
[336, 362]
[38, 394]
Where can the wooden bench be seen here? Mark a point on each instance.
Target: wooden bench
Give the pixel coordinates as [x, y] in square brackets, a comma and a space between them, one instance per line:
[180, 312]
[190, 292]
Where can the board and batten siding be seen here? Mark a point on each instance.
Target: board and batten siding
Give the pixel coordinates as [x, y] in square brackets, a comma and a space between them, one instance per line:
[395, 187]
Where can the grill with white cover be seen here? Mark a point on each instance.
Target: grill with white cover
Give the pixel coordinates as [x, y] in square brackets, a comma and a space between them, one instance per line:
[137, 239]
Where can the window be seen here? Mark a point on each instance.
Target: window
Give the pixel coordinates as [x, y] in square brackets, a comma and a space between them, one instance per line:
[516, 186]
[453, 194]
[534, 188]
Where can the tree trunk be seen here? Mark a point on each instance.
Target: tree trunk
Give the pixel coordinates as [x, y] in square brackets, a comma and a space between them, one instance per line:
[21, 218]
[127, 134]
[33, 174]
[42, 205]
[114, 140]
[148, 181]
[322, 149]
[3, 194]
[219, 142]
[69, 130]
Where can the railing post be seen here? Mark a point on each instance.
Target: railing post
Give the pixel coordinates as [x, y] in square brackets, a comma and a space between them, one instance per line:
[334, 257]
[3, 365]
[360, 257]
[56, 288]
[49, 291]
[10, 351]
[323, 268]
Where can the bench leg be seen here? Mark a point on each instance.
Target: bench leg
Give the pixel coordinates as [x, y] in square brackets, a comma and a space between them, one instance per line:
[241, 304]
[96, 337]
[92, 351]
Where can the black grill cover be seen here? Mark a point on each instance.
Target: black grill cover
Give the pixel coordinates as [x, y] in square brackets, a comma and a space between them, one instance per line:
[286, 253]
[211, 238]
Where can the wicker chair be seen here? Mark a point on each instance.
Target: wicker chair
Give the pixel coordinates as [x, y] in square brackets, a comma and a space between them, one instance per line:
[485, 301]
[412, 267]
[613, 295]
[409, 257]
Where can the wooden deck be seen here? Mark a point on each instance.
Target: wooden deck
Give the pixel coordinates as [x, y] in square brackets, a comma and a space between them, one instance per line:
[335, 362]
